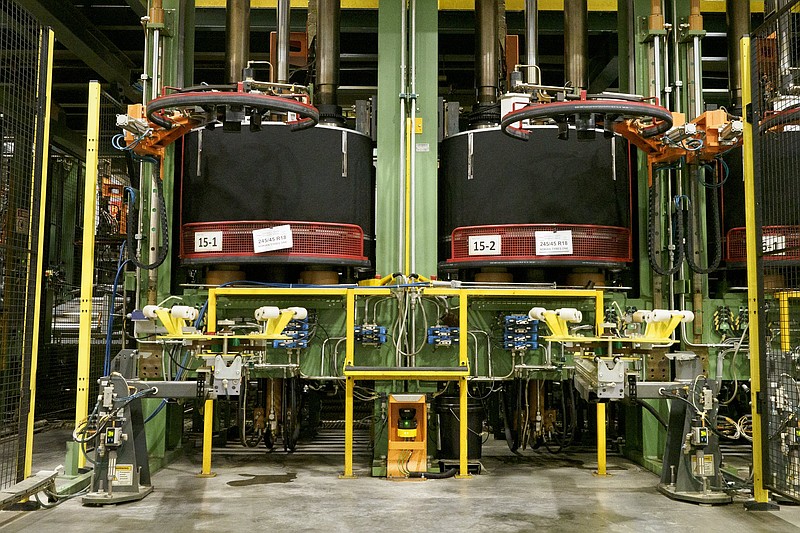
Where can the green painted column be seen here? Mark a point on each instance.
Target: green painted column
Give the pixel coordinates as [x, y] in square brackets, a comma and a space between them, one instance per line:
[426, 145]
[389, 177]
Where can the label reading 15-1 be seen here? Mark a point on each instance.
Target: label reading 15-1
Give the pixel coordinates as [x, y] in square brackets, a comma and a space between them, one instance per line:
[208, 241]
[484, 245]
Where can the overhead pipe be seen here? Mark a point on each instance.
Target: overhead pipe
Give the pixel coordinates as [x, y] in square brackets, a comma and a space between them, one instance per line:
[237, 39]
[576, 43]
[328, 23]
[532, 38]
[282, 63]
[737, 19]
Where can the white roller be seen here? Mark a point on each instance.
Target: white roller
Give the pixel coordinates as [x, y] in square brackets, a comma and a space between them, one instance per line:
[150, 311]
[569, 314]
[300, 313]
[688, 316]
[537, 313]
[267, 312]
[660, 315]
[642, 316]
[184, 311]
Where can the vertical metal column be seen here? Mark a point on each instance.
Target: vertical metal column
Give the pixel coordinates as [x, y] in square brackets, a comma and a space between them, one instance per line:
[282, 68]
[87, 273]
[753, 281]
[532, 37]
[738, 24]
[486, 51]
[40, 176]
[576, 42]
[328, 52]
[237, 38]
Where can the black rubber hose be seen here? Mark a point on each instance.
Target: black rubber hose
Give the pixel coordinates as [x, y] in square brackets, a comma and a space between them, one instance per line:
[309, 113]
[713, 265]
[652, 410]
[434, 475]
[651, 244]
[596, 107]
[163, 251]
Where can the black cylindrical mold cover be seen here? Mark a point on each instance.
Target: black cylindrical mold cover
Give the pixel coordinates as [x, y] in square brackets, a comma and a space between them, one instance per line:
[542, 181]
[450, 428]
[277, 174]
[778, 176]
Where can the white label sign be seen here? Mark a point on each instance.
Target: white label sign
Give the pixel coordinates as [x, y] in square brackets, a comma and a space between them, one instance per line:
[773, 243]
[208, 241]
[484, 244]
[554, 242]
[123, 476]
[269, 239]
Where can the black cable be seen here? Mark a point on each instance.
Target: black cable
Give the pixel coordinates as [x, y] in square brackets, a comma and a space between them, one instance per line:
[651, 244]
[171, 353]
[690, 251]
[433, 475]
[652, 410]
[162, 207]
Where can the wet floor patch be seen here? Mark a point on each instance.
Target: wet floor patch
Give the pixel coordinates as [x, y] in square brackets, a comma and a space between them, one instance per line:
[266, 479]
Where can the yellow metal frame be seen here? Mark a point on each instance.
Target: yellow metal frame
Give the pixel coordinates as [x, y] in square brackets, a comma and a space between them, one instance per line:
[706, 6]
[350, 294]
[87, 271]
[39, 274]
[759, 492]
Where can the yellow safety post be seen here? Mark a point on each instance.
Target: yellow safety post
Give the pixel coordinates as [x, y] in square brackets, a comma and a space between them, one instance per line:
[760, 494]
[601, 439]
[462, 413]
[37, 305]
[208, 430]
[87, 270]
[783, 308]
[599, 312]
[348, 429]
[463, 360]
[350, 318]
[211, 312]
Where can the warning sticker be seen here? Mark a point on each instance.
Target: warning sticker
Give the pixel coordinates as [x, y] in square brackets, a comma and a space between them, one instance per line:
[123, 476]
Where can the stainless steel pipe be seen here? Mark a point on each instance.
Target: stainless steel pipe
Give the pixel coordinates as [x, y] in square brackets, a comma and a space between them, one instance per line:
[576, 42]
[328, 51]
[282, 63]
[237, 39]
[486, 50]
[532, 38]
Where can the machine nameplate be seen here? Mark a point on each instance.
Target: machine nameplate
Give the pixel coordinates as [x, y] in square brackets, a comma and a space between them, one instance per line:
[269, 239]
[484, 245]
[208, 241]
[554, 242]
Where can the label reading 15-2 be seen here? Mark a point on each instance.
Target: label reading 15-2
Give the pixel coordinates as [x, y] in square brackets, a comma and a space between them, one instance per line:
[208, 241]
[484, 245]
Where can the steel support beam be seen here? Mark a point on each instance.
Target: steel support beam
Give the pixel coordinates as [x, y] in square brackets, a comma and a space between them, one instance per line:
[78, 34]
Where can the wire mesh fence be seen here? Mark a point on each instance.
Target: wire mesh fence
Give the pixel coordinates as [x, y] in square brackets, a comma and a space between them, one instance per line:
[775, 72]
[24, 49]
[57, 375]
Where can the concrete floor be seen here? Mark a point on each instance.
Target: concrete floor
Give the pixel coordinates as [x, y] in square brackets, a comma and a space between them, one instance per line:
[535, 492]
